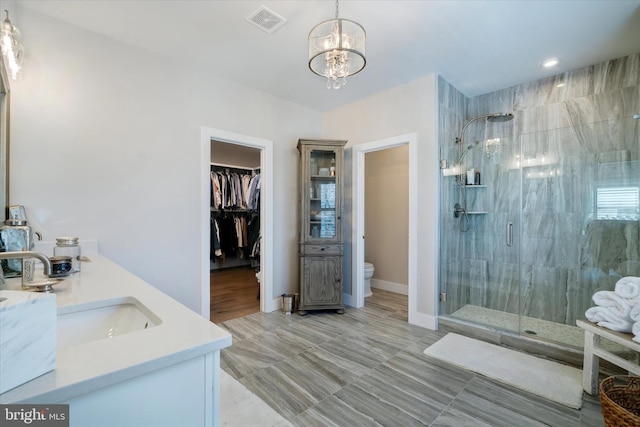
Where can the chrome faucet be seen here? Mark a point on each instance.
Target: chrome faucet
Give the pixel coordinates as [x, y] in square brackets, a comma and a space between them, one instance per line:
[27, 268]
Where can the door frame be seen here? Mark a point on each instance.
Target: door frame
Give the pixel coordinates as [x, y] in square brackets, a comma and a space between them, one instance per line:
[267, 303]
[357, 235]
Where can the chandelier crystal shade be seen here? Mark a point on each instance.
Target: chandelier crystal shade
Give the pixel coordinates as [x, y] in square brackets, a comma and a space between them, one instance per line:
[10, 45]
[337, 50]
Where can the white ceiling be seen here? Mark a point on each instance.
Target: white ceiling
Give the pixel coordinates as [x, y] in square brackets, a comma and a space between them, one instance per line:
[478, 46]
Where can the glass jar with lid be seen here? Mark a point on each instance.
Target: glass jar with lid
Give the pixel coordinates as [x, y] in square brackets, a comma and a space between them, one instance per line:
[68, 246]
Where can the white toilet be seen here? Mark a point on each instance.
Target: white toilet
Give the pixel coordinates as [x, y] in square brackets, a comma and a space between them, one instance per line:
[368, 272]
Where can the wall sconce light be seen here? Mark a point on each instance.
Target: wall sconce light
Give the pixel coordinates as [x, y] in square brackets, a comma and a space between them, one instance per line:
[11, 46]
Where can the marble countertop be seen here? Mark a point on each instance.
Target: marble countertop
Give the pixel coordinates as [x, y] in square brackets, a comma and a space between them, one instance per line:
[80, 369]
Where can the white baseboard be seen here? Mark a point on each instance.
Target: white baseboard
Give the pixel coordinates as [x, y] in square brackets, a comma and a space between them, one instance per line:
[346, 300]
[424, 320]
[398, 288]
[275, 304]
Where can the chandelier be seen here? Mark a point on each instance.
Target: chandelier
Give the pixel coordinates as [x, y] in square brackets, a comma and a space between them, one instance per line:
[10, 46]
[336, 50]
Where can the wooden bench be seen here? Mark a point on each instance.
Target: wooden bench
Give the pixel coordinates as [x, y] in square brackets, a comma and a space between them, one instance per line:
[593, 352]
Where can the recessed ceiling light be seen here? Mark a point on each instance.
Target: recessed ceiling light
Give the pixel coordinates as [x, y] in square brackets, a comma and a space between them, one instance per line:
[551, 62]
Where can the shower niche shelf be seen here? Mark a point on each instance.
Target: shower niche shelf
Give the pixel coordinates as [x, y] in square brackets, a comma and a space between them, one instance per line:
[476, 199]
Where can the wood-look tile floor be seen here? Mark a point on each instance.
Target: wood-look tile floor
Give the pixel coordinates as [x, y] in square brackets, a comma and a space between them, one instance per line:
[366, 368]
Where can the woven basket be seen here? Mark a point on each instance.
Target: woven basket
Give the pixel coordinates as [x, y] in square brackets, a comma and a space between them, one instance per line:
[620, 399]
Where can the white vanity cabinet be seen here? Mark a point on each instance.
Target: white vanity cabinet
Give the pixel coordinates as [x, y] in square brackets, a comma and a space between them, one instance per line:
[164, 373]
[178, 395]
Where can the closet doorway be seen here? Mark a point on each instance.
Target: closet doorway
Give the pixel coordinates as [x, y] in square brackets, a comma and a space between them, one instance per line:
[224, 279]
[235, 231]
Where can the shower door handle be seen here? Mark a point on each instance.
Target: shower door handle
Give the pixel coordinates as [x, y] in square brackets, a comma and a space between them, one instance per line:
[509, 233]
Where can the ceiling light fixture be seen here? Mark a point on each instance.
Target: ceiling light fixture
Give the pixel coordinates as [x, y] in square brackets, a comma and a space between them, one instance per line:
[266, 19]
[551, 62]
[336, 50]
[11, 46]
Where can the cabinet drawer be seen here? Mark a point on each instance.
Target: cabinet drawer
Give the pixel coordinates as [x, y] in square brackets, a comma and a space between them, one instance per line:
[320, 249]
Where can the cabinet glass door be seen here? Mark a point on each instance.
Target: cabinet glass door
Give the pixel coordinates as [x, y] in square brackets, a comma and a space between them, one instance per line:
[322, 195]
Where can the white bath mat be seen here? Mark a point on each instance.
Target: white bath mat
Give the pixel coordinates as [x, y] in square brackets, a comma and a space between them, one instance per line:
[551, 380]
[241, 408]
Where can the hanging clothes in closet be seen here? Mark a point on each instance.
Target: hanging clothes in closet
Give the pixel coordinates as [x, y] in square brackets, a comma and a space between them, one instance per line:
[234, 190]
[235, 235]
[235, 223]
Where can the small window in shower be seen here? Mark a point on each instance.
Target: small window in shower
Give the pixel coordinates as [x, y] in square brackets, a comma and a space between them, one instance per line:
[618, 203]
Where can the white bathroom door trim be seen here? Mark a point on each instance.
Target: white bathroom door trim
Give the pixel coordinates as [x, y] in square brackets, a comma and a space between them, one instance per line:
[267, 302]
[357, 236]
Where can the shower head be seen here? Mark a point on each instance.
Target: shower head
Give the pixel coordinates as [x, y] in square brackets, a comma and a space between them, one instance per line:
[500, 117]
[493, 118]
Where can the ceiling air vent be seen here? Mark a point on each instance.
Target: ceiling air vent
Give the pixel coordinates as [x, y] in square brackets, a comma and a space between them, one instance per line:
[266, 19]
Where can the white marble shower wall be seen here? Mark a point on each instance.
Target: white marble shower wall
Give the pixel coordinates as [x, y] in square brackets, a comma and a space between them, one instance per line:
[572, 134]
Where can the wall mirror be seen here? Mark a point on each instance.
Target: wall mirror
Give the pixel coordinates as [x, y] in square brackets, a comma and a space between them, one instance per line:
[4, 141]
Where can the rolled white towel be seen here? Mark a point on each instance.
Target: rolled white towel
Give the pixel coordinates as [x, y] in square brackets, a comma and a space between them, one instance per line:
[634, 314]
[604, 317]
[628, 287]
[635, 329]
[618, 305]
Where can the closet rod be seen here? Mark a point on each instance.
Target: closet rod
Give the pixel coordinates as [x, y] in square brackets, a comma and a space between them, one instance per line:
[222, 165]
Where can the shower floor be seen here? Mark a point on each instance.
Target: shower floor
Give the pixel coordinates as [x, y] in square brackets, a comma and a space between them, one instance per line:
[535, 328]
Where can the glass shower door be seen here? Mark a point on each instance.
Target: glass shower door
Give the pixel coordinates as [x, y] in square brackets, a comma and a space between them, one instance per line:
[580, 212]
[480, 242]
[555, 219]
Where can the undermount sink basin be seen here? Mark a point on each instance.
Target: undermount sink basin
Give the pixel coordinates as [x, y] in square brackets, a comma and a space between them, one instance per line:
[99, 320]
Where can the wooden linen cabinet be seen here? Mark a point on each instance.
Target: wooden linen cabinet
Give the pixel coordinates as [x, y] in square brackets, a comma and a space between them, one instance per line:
[320, 228]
